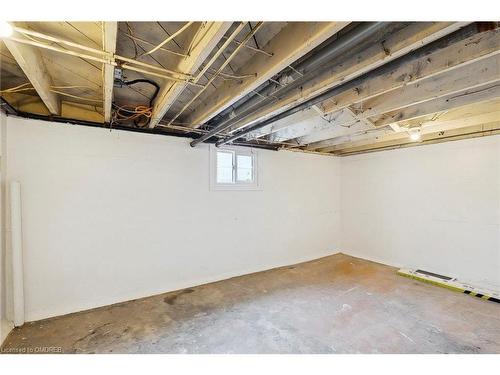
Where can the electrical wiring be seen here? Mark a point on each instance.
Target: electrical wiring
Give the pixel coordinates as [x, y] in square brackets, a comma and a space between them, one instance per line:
[18, 88]
[140, 115]
[72, 87]
[131, 37]
[171, 37]
[76, 96]
[22, 87]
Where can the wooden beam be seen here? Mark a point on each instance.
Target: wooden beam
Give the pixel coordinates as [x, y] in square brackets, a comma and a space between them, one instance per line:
[33, 104]
[292, 42]
[467, 97]
[31, 62]
[303, 117]
[396, 45]
[445, 103]
[459, 83]
[416, 68]
[109, 31]
[205, 40]
[474, 131]
[320, 128]
[336, 130]
[430, 127]
[470, 76]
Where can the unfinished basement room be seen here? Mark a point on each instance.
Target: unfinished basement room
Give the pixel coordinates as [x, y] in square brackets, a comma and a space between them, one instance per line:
[250, 187]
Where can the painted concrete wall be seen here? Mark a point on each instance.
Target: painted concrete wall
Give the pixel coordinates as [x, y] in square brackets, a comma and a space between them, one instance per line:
[433, 207]
[112, 216]
[5, 284]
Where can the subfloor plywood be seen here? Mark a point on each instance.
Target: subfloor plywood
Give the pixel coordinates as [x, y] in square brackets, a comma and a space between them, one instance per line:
[337, 304]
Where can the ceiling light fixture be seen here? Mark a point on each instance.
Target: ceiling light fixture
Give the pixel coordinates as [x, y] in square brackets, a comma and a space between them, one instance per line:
[5, 29]
[415, 135]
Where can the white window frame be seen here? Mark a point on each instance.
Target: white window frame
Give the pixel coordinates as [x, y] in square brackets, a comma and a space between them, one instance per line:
[256, 183]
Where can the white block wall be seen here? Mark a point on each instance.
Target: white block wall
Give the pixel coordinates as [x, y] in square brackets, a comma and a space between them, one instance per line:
[112, 216]
[434, 207]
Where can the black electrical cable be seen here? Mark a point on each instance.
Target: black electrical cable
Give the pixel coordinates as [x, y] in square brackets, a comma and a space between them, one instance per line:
[143, 80]
[138, 121]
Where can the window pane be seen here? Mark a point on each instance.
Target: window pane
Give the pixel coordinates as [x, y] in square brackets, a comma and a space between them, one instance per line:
[244, 171]
[224, 167]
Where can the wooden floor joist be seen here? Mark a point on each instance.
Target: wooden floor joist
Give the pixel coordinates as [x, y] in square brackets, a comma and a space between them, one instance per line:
[31, 62]
[396, 45]
[204, 41]
[109, 45]
[292, 42]
[400, 75]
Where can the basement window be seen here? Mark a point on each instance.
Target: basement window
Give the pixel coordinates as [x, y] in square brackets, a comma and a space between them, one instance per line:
[233, 168]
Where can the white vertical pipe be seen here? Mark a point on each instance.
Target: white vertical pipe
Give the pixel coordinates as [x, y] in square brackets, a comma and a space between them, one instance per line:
[17, 253]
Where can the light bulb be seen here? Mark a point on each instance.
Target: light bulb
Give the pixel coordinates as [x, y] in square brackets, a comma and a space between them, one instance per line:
[415, 136]
[5, 29]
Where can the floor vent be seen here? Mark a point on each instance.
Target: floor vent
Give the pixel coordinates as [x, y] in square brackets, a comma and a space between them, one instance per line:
[450, 283]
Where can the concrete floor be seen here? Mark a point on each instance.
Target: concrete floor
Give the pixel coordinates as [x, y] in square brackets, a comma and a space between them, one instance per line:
[336, 304]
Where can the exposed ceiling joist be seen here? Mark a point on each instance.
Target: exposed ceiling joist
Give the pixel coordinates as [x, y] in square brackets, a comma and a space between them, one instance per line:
[287, 129]
[478, 123]
[336, 129]
[203, 43]
[475, 95]
[109, 31]
[470, 76]
[421, 97]
[291, 43]
[396, 45]
[416, 68]
[467, 115]
[31, 62]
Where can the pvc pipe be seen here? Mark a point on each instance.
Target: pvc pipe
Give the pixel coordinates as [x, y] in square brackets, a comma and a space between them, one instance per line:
[17, 253]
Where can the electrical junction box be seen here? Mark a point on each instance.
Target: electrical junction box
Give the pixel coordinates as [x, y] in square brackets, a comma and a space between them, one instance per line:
[118, 77]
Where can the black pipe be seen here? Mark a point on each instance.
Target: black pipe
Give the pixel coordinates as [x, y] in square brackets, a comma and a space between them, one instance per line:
[438, 44]
[304, 71]
[10, 110]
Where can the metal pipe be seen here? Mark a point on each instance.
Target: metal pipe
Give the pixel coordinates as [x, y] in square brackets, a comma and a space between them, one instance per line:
[61, 50]
[219, 52]
[303, 72]
[17, 253]
[331, 92]
[308, 103]
[252, 48]
[300, 73]
[228, 60]
[58, 40]
[140, 63]
[104, 57]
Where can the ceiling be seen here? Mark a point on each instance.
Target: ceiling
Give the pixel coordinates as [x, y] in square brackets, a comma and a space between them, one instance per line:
[336, 88]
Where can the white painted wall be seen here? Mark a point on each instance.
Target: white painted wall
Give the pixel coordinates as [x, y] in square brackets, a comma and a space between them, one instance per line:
[433, 207]
[5, 285]
[112, 216]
